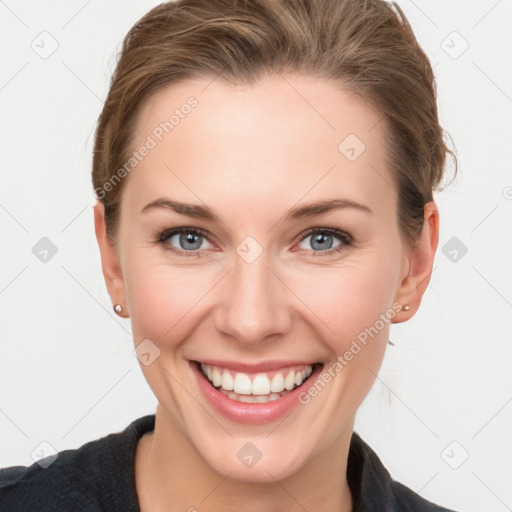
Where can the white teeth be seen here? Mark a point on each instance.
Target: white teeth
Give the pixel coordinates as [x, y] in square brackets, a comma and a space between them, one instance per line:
[277, 384]
[227, 381]
[208, 371]
[217, 379]
[260, 386]
[242, 384]
[289, 382]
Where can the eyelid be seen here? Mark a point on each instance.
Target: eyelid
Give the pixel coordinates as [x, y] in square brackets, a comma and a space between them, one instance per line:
[167, 233]
[332, 231]
[163, 236]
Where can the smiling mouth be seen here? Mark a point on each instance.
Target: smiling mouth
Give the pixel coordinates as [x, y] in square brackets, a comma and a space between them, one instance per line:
[261, 387]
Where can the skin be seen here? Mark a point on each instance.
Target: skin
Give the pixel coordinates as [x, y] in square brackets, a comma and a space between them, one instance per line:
[251, 153]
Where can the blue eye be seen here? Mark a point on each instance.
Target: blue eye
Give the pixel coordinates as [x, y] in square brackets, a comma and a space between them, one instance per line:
[190, 241]
[323, 240]
[187, 239]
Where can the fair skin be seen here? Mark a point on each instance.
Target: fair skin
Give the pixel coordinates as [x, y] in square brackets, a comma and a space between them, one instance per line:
[251, 154]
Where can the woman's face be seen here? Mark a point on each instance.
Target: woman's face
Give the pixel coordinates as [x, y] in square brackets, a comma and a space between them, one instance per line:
[256, 283]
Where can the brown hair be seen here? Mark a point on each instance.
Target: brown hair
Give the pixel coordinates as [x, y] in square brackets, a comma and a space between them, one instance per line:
[365, 46]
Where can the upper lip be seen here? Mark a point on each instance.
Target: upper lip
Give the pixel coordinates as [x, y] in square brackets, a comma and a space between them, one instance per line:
[264, 366]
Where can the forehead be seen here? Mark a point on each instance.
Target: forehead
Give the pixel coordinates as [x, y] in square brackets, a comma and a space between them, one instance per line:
[284, 136]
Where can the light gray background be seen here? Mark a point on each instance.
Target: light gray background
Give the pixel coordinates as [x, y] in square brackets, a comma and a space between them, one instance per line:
[68, 373]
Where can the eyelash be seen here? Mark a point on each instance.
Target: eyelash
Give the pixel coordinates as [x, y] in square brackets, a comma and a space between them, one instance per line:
[162, 238]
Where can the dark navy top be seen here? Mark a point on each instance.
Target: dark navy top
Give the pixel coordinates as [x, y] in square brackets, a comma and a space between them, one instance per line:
[100, 476]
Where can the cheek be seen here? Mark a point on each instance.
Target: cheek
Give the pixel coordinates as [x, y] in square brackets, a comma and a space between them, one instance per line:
[352, 306]
[164, 304]
[345, 300]
[163, 298]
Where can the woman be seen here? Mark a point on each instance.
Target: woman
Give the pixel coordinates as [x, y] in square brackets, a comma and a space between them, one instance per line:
[264, 173]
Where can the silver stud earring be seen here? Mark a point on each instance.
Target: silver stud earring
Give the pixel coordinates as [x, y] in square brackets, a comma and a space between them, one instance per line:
[406, 307]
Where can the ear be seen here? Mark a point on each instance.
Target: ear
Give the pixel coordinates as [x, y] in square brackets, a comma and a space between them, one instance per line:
[110, 262]
[419, 261]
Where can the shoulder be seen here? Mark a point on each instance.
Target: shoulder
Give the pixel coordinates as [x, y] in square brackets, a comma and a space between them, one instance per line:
[96, 476]
[409, 501]
[374, 489]
[35, 488]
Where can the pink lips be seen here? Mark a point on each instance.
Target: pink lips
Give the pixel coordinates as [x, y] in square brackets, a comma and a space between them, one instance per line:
[258, 413]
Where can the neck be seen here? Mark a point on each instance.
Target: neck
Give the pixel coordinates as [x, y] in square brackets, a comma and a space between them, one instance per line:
[171, 475]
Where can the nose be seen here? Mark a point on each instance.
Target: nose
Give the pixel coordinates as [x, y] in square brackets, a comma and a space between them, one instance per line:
[254, 303]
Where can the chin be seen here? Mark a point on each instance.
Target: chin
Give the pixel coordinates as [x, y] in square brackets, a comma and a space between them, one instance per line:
[266, 470]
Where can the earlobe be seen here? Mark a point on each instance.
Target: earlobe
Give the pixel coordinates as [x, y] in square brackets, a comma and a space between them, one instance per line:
[110, 261]
[420, 262]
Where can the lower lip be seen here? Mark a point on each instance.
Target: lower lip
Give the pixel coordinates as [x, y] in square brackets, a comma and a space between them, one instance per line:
[254, 414]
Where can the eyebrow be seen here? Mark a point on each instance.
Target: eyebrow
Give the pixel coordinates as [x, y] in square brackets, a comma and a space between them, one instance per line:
[299, 212]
